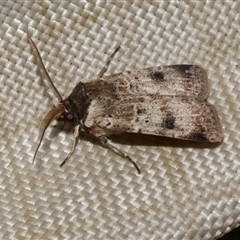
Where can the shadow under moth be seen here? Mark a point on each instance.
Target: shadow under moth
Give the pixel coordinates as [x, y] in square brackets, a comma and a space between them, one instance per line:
[169, 101]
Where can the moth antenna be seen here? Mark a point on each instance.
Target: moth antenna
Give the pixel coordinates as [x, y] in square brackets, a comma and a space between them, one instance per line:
[107, 63]
[42, 68]
[76, 135]
[51, 116]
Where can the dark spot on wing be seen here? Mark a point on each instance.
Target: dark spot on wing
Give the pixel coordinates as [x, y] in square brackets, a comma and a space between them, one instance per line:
[157, 76]
[184, 67]
[141, 111]
[131, 85]
[198, 136]
[169, 122]
[185, 70]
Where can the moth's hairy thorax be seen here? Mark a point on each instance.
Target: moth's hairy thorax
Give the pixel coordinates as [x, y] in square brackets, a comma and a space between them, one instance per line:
[84, 94]
[79, 101]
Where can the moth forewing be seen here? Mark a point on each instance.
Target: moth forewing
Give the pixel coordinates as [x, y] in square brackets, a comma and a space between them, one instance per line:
[176, 117]
[172, 80]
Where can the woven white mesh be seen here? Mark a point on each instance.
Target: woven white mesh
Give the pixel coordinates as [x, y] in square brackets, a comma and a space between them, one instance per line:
[185, 191]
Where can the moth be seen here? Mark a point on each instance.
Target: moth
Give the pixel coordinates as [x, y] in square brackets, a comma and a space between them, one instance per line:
[169, 101]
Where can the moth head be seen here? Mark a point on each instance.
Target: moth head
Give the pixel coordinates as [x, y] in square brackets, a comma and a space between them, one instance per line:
[67, 113]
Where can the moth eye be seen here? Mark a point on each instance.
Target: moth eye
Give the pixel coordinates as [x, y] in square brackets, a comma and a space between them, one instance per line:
[69, 116]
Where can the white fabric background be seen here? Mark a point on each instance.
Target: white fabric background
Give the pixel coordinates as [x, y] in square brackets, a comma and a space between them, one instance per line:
[186, 190]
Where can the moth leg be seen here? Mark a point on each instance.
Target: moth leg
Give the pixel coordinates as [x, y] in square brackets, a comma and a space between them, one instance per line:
[75, 140]
[107, 63]
[105, 141]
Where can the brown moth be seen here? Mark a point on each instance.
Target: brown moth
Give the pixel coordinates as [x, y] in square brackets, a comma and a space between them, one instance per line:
[168, 101]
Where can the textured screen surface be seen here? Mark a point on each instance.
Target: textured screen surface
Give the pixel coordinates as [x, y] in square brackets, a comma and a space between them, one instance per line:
[186, 190]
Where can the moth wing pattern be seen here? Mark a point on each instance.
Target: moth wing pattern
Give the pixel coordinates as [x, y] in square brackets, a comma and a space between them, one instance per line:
[166, 101]
[175, 117]
[172, 80]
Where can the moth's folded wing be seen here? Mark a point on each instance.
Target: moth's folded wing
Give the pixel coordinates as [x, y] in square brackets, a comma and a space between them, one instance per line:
[176, 117]
[173, 80]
